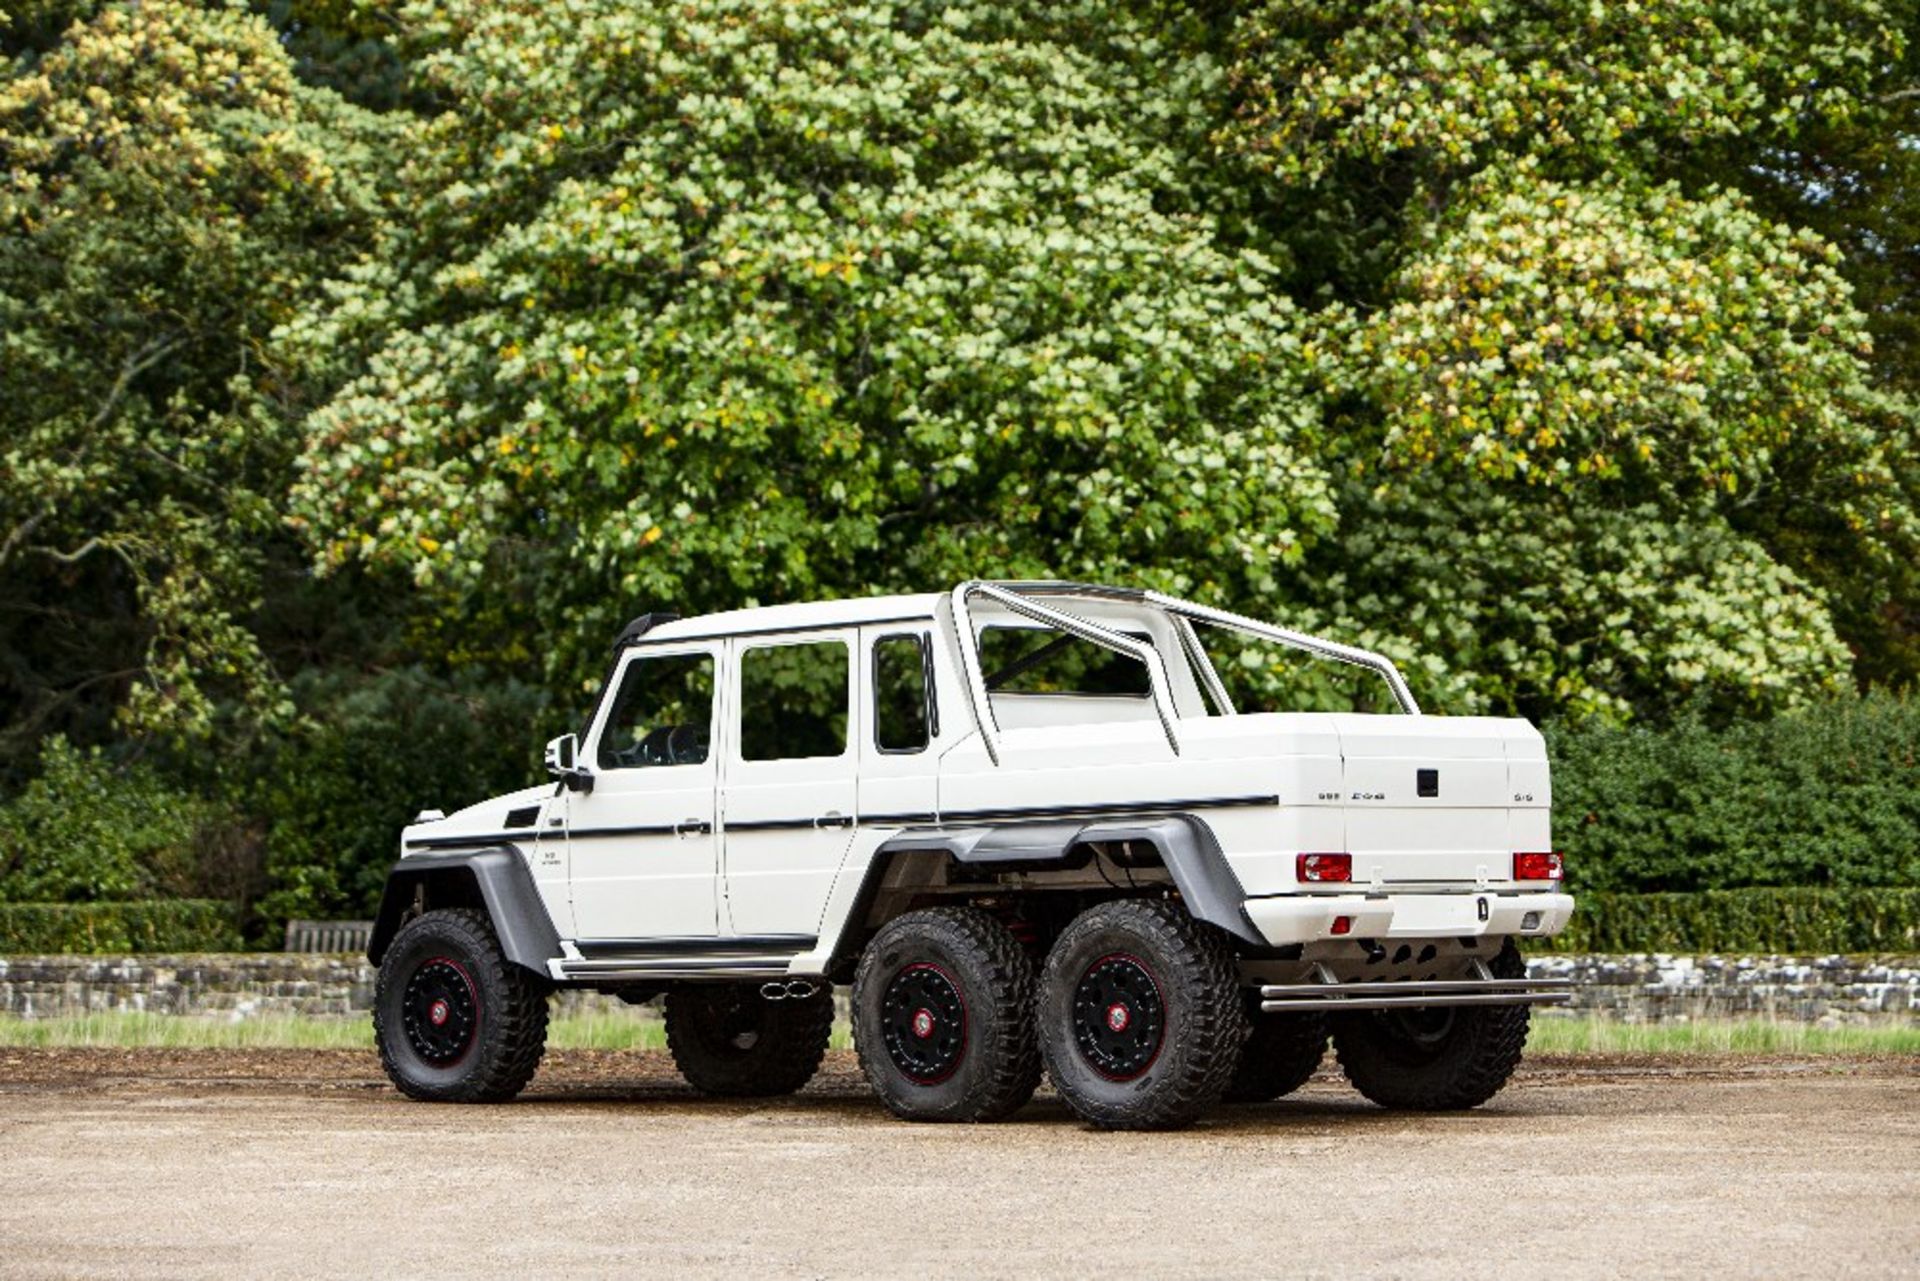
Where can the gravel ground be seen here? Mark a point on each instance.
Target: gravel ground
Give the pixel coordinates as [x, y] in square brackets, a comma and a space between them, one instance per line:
[300, 1163]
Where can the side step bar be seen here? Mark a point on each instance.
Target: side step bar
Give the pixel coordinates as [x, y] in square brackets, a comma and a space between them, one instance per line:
[1391, 994]
[620, 969]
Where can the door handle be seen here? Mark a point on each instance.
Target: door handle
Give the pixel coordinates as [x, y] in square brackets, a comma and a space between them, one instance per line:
[833, 818]
[696, 826]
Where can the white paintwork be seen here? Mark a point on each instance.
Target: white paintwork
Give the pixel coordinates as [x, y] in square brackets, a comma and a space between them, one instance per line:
[652, 885]
[777, 880]
[1345, 782]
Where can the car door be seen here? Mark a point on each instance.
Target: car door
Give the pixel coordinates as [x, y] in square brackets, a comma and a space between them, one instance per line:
[642, 845]
[790, 794]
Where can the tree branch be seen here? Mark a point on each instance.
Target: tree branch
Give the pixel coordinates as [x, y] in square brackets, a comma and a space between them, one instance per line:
[22, 533]
[135, 365]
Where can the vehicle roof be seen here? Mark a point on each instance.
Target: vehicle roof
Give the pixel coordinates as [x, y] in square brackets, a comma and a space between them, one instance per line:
[796, 617]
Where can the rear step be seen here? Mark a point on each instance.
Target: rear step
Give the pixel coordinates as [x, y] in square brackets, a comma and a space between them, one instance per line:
[1389, 994]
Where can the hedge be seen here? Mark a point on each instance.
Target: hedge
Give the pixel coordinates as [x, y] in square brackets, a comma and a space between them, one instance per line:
[1827, 795]
[148, 925]
[1787, 921]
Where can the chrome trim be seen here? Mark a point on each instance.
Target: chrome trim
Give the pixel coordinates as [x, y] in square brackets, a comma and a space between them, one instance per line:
[1414, 1002]
[1387, 994]
[1173, 605]
[1073, 625]
[675, 967]
[1366, 658]
[1202, 663]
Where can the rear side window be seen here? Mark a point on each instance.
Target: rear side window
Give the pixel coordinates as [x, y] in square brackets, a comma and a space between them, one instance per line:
[663, 714]
[1030, 660]
[902, 707]
[793, 701]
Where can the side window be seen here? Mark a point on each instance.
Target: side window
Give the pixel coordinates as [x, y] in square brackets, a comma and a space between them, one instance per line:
[902, 703]
[662, 715]
[1034, 660]
[793, 701]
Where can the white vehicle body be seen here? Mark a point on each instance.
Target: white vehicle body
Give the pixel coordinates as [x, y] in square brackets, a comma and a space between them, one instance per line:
[685, 857]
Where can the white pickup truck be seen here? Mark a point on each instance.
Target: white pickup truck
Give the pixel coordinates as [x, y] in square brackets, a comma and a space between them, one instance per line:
[1027, 823]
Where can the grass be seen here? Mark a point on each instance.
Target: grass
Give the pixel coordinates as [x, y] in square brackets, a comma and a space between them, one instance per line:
[642, 1030]
[1590, 1034]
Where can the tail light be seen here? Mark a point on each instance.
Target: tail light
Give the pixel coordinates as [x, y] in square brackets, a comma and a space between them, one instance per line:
[1538, 867]
[1323, 867]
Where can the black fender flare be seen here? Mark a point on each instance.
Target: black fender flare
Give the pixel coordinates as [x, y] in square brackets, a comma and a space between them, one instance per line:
[495, 879]
[1186, 846]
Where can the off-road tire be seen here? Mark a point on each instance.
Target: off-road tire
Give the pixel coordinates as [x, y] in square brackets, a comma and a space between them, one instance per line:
[493, 1013]
[1279, 1056]
[1466, 1057]
[976, 1058]
[729, 1040]
[1193, 998]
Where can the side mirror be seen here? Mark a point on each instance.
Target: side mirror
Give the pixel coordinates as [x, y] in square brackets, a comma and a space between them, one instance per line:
[563, 762]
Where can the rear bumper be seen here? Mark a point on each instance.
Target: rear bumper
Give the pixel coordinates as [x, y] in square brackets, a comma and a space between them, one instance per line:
[1309, 918]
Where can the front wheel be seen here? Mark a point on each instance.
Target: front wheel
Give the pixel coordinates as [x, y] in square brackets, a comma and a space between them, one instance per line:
[1140, 1016]
[455, 1020]
[1435, 1058]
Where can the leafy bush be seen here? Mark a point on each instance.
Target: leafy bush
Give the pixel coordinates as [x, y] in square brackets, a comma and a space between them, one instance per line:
[87, 829]
[159, 925]
[336, 791]
[1794, 921]
[1827, 795]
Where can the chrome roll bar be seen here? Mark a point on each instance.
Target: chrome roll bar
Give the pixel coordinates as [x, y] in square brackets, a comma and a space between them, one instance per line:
[1072, 624]
[1019, 596]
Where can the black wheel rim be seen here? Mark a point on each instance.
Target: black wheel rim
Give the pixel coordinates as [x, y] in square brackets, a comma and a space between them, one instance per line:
[440, 1011]
[924, 1022]
[1119, 1019]
[1417, 1035]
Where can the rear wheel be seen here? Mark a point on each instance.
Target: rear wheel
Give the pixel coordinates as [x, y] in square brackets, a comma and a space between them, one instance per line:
[729, 1040]
[943, 1017]
[1435, 1058]
[1279, 1057]
[455, 1021]
[1140, 1016]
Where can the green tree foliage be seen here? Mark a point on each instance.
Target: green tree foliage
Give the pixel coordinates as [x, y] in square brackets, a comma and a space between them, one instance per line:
[169, 191]
[737, 302]
[85, 830]
[769, 302]
[1624, 416]
[374, 751]
[363, 365]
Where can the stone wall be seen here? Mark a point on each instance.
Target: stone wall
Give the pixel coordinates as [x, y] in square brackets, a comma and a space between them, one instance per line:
[1641, 988]
[1654, 988]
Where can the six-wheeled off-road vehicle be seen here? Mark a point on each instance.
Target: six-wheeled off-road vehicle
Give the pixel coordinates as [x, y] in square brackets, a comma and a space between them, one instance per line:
[1029, 827]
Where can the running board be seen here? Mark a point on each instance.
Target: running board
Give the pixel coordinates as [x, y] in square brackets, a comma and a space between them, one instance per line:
[620, 969]
[1389, 994]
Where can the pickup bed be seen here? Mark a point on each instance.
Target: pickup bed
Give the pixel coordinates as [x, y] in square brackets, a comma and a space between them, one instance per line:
[1027, 823]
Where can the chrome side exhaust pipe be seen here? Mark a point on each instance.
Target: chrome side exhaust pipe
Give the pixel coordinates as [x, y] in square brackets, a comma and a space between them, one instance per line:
[788, 990]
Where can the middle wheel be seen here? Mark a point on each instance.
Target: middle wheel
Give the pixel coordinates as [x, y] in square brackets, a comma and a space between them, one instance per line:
[729, 1040]
[943, 1019]
[1140, 1016]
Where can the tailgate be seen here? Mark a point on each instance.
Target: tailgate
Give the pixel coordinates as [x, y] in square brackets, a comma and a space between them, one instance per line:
[1441, 799]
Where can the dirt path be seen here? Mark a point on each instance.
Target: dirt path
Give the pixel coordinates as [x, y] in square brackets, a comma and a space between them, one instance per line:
[215, 1163]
